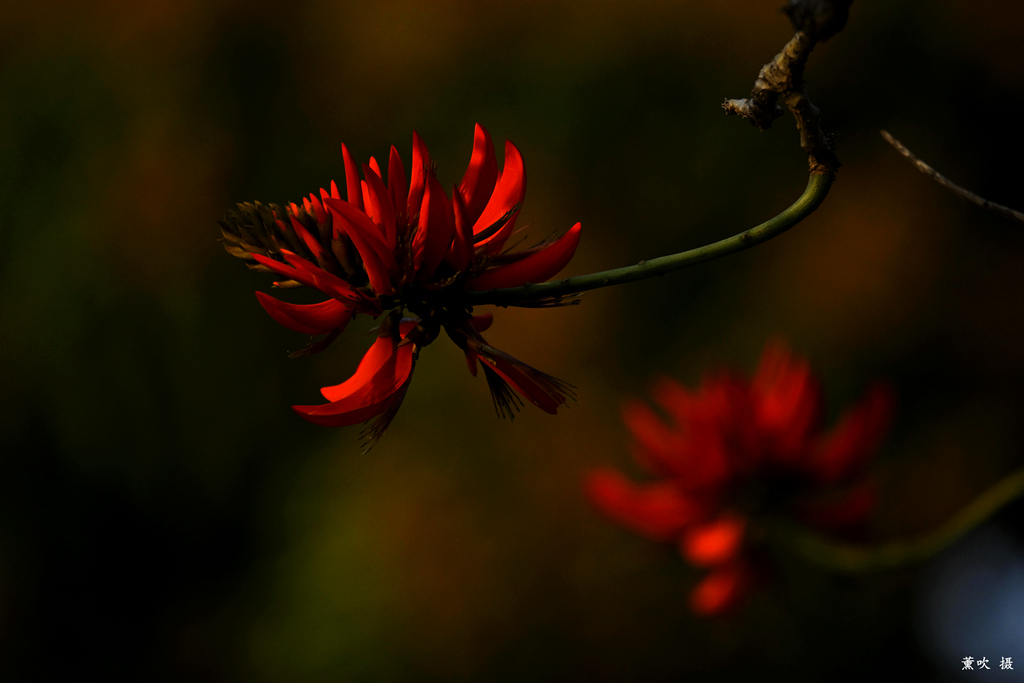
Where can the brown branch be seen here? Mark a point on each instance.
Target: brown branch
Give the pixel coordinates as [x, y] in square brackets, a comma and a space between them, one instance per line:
[783, 77]
[998, 209]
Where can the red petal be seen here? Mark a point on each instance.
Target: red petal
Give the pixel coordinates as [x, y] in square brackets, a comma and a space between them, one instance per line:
[312, 276]
[715, 542]
[481, 323]
[461, 253]
[310, 319]
[844, 513]
[376, 168]
[383, 210]
[398, 189]
[303, 271]
[538, 267]
[721, 590]
[540, 389]
[508, 194]
[434, 234]
[658, 511]
[311, 242]
[853, 442]
[788, 404]
[420, 171]
[378, 260]
[378, 380]
[355, 193]
[318, 208]
[478, 183]
[661, 447]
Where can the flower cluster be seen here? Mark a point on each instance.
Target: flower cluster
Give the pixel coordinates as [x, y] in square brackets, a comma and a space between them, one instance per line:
[404, 246]
[737, 451]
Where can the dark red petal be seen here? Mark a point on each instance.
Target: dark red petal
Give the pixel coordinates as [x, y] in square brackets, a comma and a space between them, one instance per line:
[538, 267]
[355, 192]
[334, 191]
[308, 319]
[661, 447]
[398, 189]
[478, 182]
[471, 362]
[419, 172]
[481, 323]
[329, 284]
[715, 542]
[311, 242]
[721, 590]
[850, 446]
[788, 404]
[657, 511]
[540, 389]
[383, 209]
[507, 197]
[435, 226]
[842, 513]
[376, 168]
[381, 376]
[318, 208]
[378, 260]
[461, 253]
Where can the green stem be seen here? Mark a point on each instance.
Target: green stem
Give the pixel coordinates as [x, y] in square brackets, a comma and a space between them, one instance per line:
[852, 559]
[817, 187]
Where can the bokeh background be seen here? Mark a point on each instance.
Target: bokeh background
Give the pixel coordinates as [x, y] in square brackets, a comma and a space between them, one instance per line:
[165, 516]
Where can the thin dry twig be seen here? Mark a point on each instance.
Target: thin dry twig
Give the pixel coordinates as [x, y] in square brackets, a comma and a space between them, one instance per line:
[998, 209]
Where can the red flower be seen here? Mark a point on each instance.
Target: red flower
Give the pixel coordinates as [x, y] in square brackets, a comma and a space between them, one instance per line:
[737, 448]
[404, 245]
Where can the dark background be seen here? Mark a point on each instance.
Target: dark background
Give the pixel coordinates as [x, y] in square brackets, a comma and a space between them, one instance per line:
[164, 515]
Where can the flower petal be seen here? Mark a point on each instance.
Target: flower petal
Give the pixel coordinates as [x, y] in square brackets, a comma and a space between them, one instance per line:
[542, 390]
[303, 271]
[435, 231]
[398, 190]
[721, 590]
[355, 192]
[419, 172]
[461, 253]
[851, 444]
[383, 209]
[788, 404]
[378, 260]
[477, 184]
[504, 201]
[308, 319]
[842, 513]
[377, 382]
[715, 542]
[658, 511]
[537, 267]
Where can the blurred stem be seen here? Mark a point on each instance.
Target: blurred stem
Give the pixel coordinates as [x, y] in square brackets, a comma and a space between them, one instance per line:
[853, 559]
[817, 188]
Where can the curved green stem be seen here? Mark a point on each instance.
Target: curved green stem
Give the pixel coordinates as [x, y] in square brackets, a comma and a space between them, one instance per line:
[817, 187]
[853, 559]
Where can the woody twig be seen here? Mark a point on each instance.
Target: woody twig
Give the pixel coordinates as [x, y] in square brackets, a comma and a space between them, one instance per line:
[979, 201]
[783, 77]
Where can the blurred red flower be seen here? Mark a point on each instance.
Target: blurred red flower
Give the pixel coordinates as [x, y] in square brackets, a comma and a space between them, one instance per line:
[404, 245]
[735, 451]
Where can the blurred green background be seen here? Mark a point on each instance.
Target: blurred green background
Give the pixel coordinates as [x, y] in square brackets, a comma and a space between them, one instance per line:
[164, 515]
